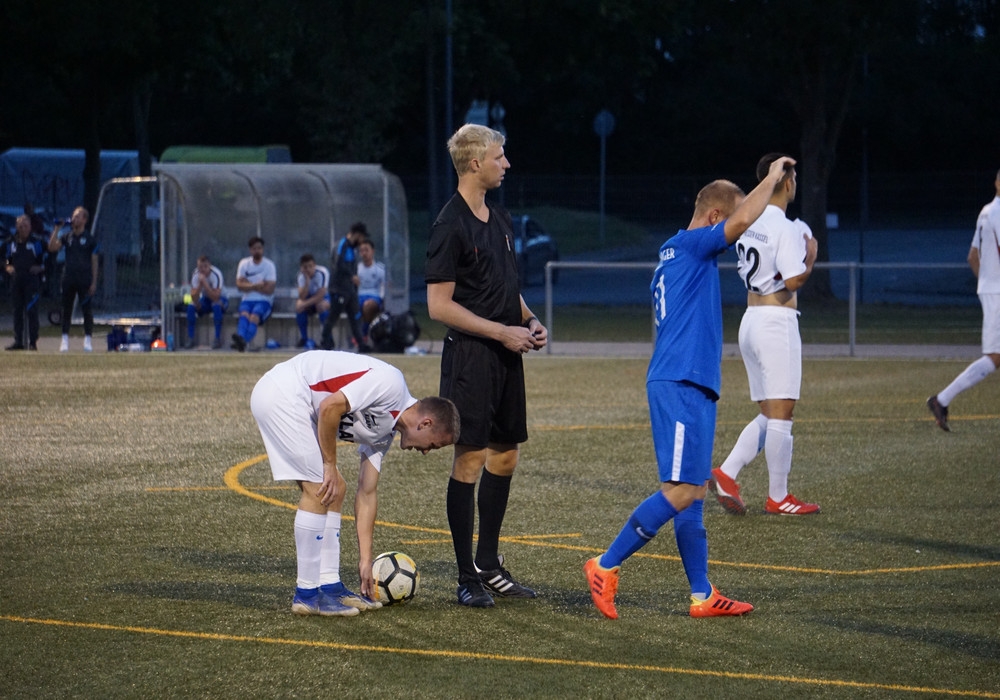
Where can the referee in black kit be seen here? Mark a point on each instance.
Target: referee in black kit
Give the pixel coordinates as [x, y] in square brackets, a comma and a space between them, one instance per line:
[472, 288]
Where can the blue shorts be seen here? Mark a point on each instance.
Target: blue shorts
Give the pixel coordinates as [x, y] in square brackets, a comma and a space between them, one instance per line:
[204, 305]
[362, 298]
[682, 417]
[310, 310]
[259, 307]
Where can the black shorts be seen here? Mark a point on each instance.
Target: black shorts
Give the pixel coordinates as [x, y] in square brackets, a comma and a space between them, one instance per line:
[486, 382]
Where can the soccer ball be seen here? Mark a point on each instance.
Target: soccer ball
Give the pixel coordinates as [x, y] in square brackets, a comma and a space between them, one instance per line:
[396, 577]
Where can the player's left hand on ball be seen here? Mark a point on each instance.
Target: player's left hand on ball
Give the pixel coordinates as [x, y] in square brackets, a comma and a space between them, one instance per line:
[367, 581]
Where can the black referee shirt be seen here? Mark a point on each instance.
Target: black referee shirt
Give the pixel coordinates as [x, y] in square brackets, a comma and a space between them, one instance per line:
[479, 258]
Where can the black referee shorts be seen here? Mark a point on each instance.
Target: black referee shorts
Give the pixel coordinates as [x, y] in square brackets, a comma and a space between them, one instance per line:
[486, 382]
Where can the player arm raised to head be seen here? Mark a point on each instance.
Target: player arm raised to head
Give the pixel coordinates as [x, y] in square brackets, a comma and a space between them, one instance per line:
[753, 204]
[365, 509]
[331, 410]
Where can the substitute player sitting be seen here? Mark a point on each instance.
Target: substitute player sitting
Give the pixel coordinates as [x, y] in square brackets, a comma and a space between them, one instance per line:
[256, 278]
[207, 297]
[371, 284]
[776, 258]
[314, 296]
[303, 406]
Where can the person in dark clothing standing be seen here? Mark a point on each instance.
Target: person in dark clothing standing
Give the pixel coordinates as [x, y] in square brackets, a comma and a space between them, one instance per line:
[25, 259]
[79, 274]
[472, 288]
[344, 287]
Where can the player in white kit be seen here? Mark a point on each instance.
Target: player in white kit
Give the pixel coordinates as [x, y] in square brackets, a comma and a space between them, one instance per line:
[776, 257]
[984, 259]
[303, 406]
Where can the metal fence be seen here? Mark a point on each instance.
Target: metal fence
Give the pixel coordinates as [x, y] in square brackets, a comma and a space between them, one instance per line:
[853, 271]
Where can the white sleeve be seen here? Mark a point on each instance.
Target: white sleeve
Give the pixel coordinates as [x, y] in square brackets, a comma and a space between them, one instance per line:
[374, 454]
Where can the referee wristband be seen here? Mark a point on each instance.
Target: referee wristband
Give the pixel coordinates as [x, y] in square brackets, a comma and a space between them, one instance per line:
[530, 319]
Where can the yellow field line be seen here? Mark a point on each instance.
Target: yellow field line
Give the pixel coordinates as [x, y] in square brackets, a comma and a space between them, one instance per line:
[505, 658]
[232, 481]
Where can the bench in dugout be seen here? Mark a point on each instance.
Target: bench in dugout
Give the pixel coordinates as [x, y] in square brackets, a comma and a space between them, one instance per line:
[279, 327]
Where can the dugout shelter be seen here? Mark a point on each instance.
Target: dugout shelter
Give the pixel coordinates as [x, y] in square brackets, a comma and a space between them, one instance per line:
[213, 209]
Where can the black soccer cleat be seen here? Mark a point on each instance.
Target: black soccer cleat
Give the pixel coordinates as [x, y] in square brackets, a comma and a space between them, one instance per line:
[940, 413]
[473, 595]
[500, 582]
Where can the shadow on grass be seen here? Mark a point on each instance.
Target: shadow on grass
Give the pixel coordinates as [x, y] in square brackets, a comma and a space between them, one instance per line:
[977, 646]
[242, 595]
[238, 562]
[952, 548]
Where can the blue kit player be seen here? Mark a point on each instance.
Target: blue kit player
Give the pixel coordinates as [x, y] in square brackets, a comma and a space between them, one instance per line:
[682, 387]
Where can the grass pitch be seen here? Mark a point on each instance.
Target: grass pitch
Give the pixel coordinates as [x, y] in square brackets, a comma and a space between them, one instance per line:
[147, 553]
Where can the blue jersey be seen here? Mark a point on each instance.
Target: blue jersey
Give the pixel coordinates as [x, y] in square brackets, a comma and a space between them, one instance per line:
[688, 309]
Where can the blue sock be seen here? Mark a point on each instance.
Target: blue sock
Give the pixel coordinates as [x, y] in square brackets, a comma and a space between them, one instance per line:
[241, 327]
[335, 589]
[217, 317]
[642, 526]
[251, 331]
[192, 318]
[302, 321]
[323, 316]
[692, 543]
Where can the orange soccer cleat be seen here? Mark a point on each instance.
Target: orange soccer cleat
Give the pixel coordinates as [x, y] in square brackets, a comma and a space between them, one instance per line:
[603, 586]
[717, 605]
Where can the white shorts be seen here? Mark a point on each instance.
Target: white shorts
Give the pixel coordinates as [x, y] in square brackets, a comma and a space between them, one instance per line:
[991, 323]
[772, 352]
[286, 424]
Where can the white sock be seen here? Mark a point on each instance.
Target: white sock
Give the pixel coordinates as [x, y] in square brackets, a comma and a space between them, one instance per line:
[329, 561]
[748, 446]
[309, 537]
[778, 451]
[973, 374]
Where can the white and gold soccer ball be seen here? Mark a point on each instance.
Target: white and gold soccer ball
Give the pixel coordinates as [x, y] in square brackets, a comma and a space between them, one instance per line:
[396, 577]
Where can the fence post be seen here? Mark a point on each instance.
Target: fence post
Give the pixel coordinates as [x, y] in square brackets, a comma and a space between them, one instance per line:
[852, 306]
[548, 305]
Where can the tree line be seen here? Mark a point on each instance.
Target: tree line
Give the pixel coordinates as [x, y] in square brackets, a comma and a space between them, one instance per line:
[695, 86]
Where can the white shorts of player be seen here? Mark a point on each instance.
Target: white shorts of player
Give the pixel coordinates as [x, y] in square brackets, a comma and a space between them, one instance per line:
[286, 425]
[772, 352]
[991, 323]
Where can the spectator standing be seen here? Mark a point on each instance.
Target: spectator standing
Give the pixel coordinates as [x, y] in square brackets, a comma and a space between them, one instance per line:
[472, 288]
[207, 296]
[344, 287]
[776, 257]
[682, 387]
[313, 283]
[303, 407]
[25, 259]
[984, 259]
[256, 278]
[79, 274]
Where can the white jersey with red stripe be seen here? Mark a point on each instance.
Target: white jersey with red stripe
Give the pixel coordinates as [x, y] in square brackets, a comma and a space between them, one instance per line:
[376, 391]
